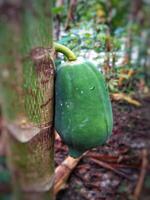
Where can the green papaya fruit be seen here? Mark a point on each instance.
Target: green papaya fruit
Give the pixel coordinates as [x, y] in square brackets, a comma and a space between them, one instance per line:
[83, 113]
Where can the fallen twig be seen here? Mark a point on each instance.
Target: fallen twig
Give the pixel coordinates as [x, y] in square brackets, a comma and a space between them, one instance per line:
[132, 166]
[63, 172]
[103, 157]
[109, 167]
[140, 182]
[113, 159]
[122, 96]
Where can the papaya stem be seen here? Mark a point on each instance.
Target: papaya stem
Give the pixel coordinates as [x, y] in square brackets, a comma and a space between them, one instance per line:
[65, 50]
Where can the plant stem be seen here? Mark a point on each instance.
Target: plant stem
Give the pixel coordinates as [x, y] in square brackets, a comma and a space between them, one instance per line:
[65, 50]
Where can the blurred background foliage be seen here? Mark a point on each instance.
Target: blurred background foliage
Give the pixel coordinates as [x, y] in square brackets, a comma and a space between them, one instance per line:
[113, 34]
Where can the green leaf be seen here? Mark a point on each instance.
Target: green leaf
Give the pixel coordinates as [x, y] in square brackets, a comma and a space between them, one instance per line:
[57, 10]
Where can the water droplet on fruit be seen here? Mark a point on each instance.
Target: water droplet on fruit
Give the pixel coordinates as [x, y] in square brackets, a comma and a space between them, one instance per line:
[92, 88]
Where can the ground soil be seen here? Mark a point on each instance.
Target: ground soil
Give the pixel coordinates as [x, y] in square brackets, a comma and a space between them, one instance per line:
[110, 172]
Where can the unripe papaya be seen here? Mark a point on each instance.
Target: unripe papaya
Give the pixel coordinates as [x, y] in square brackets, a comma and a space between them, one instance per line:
[83, 113]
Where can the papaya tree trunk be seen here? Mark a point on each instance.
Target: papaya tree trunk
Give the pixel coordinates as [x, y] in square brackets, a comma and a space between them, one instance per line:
[27, 80]
[134, 17]
[58, 18]
[71, 13]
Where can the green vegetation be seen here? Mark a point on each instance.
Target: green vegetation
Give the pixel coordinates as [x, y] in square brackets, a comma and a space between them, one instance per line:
[112, 33]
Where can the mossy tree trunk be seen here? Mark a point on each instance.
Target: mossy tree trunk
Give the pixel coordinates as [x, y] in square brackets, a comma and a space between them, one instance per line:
[27, 80]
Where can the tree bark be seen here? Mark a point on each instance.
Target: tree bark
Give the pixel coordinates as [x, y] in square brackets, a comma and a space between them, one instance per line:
[59, 3]
[71, 11]
[134, 16]
[27, 82]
